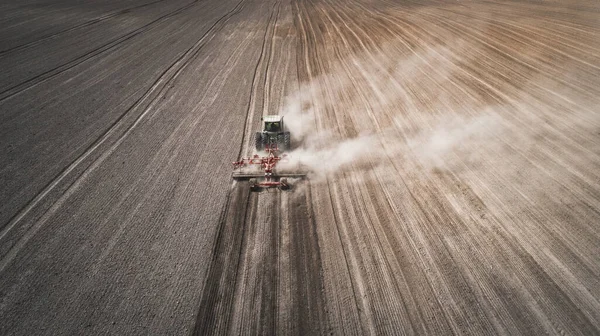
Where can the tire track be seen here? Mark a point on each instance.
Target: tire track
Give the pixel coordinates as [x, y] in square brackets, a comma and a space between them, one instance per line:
[278, 278]
[497, 92]
[124, 125]
[259, 72]
[345, 314]
[357, 200]
[219, 299]
[70, 29]
[40, 78]
[216, 305]
[256, 289]
[445, 221]
[303, 311]
[500, 236]
[375, 221]
[351, 259]
[383, 235]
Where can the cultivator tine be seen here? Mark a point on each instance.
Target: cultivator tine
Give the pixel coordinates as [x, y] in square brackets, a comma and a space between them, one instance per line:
[267, 165]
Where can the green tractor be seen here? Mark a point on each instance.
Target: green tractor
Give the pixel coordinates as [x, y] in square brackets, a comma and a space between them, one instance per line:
[273, 134]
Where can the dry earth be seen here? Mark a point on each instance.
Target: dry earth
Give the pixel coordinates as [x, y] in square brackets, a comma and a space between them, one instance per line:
[454, 150]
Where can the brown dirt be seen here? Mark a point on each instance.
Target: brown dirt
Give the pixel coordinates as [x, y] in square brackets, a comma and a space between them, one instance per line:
[476, 209]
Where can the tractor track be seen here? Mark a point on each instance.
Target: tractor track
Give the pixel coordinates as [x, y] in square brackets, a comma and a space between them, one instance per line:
[468, 203]
[253, 102]
[115, 43]
[122, 126]
[230, 247]
[79, 26]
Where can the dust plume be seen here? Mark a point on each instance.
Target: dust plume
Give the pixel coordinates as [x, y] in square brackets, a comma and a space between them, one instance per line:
[364, 114]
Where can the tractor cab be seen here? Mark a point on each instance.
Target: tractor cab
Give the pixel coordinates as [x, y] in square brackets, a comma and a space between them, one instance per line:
[273, 124]
[273, 134]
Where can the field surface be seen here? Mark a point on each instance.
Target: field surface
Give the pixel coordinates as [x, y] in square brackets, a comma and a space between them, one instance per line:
[453, 150]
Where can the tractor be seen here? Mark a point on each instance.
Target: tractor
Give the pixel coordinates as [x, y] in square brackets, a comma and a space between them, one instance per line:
[274, 133]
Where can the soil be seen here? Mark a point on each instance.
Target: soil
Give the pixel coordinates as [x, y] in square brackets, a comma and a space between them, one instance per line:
[467, 203]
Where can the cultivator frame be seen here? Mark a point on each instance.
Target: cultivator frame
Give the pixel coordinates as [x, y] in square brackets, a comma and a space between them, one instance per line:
[267, 177]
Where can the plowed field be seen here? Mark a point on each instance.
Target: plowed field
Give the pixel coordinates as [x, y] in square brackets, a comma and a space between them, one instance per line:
[453, 151]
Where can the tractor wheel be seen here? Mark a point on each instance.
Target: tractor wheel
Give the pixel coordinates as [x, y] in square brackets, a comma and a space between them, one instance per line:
[284, 184]
[258, 141]
[280, 142]
[287, 141]
[252, 183]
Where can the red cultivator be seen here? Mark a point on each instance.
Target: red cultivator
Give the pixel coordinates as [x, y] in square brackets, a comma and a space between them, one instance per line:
[267, 175]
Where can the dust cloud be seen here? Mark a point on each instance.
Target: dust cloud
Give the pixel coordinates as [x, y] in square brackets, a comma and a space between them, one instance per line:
[387, 123]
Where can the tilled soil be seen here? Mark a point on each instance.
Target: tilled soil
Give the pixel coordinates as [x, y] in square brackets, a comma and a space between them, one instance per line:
[453, 150]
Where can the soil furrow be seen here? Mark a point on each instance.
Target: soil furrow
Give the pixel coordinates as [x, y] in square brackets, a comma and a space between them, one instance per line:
[452, 151]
